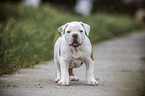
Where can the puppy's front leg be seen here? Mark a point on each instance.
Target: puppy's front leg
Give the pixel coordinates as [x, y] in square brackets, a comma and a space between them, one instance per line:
[64, 72]
[58, 70]
[90, 72]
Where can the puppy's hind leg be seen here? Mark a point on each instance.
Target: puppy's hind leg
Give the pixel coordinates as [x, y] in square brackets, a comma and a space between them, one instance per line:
[71, 75]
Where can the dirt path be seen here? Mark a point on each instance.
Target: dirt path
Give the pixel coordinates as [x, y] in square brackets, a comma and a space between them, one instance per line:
[119, 65]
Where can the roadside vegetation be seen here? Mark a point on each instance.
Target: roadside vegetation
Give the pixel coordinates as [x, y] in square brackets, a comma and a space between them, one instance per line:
[27, 34]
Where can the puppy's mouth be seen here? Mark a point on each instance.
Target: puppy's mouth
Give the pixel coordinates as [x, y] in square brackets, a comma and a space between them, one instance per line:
[75, 44]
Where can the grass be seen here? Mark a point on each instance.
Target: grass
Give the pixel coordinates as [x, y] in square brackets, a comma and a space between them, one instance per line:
[27, 34]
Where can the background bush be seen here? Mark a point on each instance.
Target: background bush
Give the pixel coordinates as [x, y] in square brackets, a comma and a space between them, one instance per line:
[27, 33]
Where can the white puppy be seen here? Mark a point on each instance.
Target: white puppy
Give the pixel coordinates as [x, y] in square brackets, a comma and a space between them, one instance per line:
[71, 50]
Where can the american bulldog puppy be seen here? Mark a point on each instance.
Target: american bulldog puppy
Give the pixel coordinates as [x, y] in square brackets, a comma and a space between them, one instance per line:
[71, 50]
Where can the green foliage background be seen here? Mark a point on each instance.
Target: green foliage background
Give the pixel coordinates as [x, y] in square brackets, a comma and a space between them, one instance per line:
[27, 33]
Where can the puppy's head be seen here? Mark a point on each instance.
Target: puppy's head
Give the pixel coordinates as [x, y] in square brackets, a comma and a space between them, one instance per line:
[74, 32]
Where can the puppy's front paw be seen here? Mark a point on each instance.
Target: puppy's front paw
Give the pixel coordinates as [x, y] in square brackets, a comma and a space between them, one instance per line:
[63, 82]
[74, 78]
[56, 80]
[92, 82]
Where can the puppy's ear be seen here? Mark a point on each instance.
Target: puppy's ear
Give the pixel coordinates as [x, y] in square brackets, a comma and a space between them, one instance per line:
[87, 27]
[62, 29]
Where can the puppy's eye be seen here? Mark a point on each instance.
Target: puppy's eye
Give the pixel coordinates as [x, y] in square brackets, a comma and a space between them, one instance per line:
[81, 31]
[68, 31]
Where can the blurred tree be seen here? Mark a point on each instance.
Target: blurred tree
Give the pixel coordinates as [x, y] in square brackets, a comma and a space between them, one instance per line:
[93, 6]
[118, 6]
[62, 4]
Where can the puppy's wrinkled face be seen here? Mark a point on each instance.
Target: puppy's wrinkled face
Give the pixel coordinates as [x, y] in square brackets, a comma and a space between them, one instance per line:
[74, 33]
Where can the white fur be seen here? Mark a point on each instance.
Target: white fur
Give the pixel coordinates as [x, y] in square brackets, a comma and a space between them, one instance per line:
[71, 57]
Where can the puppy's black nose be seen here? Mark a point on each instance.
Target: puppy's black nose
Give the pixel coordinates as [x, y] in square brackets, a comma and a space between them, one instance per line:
[75, 36]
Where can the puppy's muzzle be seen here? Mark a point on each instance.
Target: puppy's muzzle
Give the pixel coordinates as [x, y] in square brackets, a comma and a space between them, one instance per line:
[75, 36]
[75, 42]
